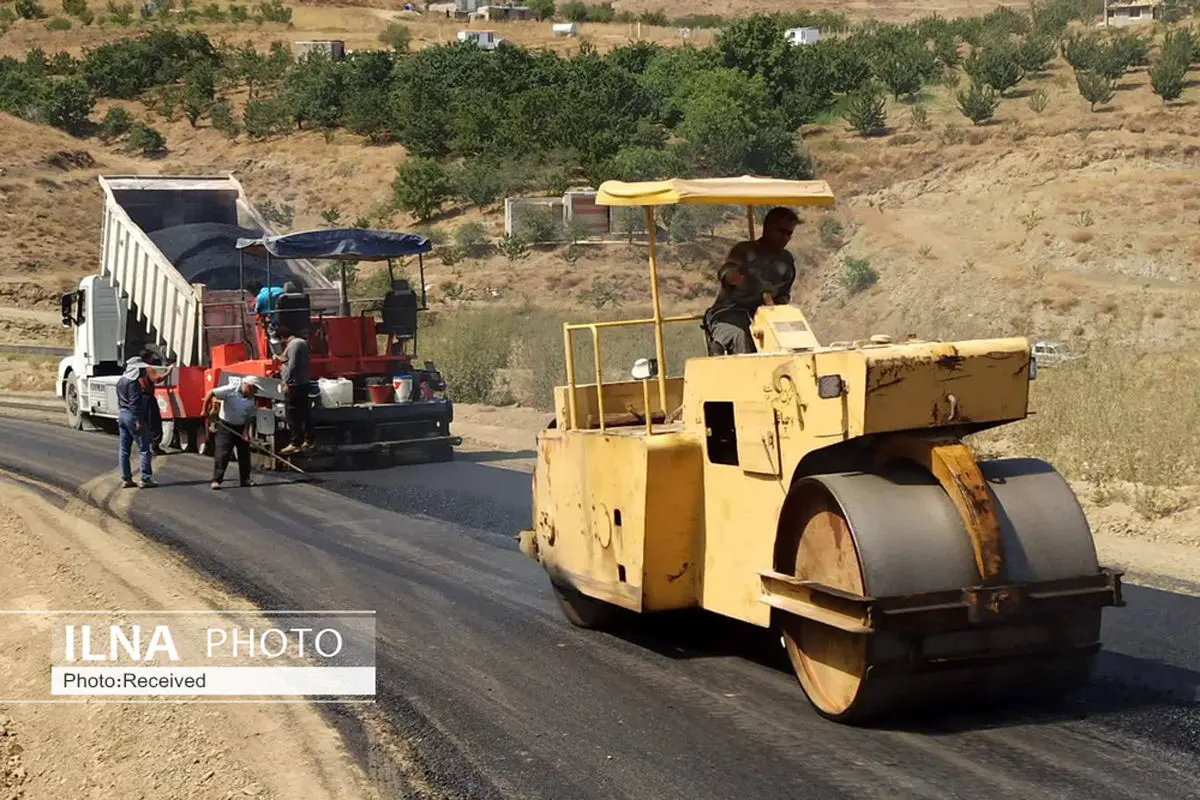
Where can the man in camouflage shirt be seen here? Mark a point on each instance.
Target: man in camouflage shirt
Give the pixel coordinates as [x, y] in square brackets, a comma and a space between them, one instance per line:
[751, 270]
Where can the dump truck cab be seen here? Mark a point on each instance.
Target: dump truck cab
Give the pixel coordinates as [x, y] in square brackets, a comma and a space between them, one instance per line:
[825, 491]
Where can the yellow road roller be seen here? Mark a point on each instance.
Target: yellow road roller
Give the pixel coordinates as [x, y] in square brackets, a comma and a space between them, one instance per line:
[824, 491]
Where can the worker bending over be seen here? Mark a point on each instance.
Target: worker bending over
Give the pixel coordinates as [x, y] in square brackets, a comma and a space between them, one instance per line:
[753, 272]
[294, 383]
[233, 427]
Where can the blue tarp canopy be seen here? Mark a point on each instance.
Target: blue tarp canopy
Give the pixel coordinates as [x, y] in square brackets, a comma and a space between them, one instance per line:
[345, 244]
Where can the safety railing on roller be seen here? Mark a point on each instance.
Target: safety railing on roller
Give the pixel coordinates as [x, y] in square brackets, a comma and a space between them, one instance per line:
[594, 328]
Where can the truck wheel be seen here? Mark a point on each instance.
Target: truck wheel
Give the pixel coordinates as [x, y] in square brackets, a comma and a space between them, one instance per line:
[74, 404]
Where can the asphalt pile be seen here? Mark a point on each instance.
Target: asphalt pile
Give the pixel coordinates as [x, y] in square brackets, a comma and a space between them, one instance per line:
[206, 253]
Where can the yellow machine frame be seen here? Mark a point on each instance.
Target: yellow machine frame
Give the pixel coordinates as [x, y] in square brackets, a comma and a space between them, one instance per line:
[708, 492]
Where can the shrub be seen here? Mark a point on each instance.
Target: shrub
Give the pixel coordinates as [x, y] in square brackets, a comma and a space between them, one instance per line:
[420, 187]
[58, 24]
[542, 10]
[275, 11]
[866, 112]
[1034, 52]
[145, 140]
[995, 64]
[470, 351]
[831, 231]
[477, 182]
[858, 274]
[1096, 87]
[1039, 100]
[265, 118]
[221, 117]
[29, 9]
[540, 225]
[978, 104]
[67, 104]
[396, 36]
[470, 237]
[116, 123]
[1167, 76]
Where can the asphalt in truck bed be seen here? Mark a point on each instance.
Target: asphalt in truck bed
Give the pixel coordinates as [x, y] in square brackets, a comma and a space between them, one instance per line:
[501, 697]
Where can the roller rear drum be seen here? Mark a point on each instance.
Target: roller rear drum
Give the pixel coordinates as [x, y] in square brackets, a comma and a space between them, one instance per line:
[891, 536]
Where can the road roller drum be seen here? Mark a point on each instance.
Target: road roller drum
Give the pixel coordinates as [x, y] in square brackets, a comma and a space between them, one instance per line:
[897, 536]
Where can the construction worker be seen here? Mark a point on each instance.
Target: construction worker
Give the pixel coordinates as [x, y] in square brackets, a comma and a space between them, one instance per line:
[294, 383]
[265, 302]
[151, 378]
[133, 423]
[753, 271]
[232, 428]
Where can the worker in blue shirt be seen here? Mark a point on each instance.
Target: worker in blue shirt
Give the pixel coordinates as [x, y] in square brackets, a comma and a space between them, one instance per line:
[267, 300]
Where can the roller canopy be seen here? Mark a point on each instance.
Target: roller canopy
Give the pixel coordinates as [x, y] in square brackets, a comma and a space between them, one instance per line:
[746, 190]
[347, 244]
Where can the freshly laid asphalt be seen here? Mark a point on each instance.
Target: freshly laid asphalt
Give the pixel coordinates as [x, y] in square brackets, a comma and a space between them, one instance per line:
[498, 696]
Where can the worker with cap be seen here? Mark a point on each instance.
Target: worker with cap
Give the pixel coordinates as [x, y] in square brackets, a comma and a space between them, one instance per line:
[133, 422]
[233, 426]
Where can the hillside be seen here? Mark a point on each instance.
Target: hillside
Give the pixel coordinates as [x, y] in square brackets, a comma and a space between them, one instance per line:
[1051, 220]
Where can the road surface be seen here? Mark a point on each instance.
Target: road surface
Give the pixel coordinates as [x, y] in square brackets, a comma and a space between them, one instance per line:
[501, 697]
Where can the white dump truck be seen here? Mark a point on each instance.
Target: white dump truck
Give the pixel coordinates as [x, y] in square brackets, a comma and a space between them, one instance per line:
[165, 268]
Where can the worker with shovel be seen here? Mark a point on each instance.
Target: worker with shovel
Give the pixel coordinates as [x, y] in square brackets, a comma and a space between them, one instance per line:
[232, 426]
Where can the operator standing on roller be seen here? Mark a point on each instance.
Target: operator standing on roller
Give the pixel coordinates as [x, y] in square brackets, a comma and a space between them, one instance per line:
[752, 270]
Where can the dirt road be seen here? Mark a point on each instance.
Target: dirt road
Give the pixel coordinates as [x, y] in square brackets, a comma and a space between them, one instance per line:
[60, 553]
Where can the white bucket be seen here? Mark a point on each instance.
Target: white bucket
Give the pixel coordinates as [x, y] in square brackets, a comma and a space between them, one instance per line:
[404, 386]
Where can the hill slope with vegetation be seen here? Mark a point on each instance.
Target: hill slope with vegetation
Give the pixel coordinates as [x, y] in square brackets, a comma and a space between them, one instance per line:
[1022, 172]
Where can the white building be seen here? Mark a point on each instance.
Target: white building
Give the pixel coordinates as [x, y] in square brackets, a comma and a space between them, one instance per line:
[1119, 13]
[803, 35]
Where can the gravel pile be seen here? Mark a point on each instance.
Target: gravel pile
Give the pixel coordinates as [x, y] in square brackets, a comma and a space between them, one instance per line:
[207, 253]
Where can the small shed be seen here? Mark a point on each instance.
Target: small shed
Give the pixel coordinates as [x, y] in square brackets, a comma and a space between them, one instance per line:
[1119, 13]
[487, 40]
[565, 29]
[335, 49]
[803, 35]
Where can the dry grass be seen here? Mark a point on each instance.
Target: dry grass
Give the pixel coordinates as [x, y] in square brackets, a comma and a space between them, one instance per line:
[1115, 419]
[22, 373]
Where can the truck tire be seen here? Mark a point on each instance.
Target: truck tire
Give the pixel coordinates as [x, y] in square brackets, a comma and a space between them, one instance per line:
[74, 403]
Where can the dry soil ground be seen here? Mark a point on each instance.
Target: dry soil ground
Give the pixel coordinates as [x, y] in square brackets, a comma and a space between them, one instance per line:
[60, 554]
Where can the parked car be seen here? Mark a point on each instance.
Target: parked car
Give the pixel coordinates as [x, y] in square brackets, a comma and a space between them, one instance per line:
[1049, 354]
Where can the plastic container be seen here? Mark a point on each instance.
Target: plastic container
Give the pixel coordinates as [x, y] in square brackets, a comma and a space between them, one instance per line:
[403, 385]
[336, 392]
[381, 393]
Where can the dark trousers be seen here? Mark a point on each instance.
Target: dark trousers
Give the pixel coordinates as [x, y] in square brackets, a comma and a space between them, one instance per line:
[225, 442]
[298, 408]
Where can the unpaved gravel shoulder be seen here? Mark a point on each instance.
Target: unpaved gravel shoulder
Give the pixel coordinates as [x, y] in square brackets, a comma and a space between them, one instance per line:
[72, 557]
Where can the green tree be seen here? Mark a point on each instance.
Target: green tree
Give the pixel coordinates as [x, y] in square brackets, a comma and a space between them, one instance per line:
[264, 118]
[978, 103]
[542, 9]
[866, 111]
[901, 67]
[645, 164]
[1167, 76]
[478, 182]
[1096, 87]
[145, 140]
[1035, 52]
[396, 36]
[198, 91]
[116, 123]
[995, 64]
[67, 104]
[420, 187]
